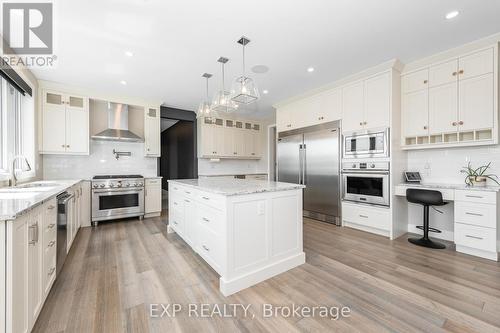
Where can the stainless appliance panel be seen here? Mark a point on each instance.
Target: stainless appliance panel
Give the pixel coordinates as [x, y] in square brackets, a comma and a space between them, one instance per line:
[63, 211]
[320, 159]
[289, 156]
[116, 203]
[370, 188]
[372, 143]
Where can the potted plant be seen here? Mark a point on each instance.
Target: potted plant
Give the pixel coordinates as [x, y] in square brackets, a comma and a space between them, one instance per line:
[478, 176]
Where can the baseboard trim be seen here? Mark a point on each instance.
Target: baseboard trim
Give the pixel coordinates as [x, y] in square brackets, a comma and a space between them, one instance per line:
[478, 253]
[376, 231]
[152, 215]
[229, 287]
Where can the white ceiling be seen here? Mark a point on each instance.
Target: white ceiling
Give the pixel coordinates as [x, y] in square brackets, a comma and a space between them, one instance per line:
[175, 42]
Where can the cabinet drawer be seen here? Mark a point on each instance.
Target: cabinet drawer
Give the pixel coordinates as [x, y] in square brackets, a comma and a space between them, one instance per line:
[483, 215]
[49, 235]
[50, 213]
[212, 200]
[211, 218]
[475, 237]
[373, 217]
[210, 247]
[176, 221]
[476, 196]
[153, 181]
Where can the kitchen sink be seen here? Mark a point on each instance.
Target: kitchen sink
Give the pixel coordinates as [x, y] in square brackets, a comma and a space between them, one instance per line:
[5, 194]
[38, 185]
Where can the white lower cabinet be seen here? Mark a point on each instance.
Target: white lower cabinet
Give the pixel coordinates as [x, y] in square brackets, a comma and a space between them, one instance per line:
[368, 218]
[244, 238]
[30, 260]
[152, 197]
[476, 214]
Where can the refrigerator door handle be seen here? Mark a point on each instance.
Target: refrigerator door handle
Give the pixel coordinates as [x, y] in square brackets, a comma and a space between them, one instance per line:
[304, 165]
[300, 164]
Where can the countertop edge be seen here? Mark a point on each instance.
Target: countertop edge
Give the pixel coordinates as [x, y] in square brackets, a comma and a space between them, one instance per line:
[453, 187]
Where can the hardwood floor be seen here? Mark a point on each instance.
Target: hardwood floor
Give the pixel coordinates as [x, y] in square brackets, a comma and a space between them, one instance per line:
[114, 272]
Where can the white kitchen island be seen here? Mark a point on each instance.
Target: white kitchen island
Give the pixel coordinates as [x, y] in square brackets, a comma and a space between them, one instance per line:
[246, 230]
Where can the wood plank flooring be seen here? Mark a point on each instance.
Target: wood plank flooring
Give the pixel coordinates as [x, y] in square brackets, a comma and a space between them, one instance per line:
[114, 272]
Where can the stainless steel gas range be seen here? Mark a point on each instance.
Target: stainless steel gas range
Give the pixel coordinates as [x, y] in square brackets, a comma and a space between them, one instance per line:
[117, 196]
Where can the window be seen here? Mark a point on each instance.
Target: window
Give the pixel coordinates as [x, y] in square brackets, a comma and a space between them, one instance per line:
[17, 129]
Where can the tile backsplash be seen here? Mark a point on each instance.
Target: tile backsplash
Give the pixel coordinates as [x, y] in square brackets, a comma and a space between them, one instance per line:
[101, 161]
[443, 165]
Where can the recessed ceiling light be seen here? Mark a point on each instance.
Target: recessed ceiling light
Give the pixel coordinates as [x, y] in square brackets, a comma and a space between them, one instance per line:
[310, 69]
[123, 82]
[265, 91]
[129, 53]
[452, 14]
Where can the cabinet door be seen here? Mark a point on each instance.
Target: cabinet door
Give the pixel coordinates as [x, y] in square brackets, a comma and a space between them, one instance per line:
[415, 81]
[54, 99]
[352, 107]
[475, 107]
[249, 143]
[17, 275]
[54, 129]
[207, 137]
[218, 137]
[377, 105]
[308, 112]
[152, 196]
[190, 222]
[331, 106]
[77, 126]
[443, 73]
[35, 265]
[476, 64]
[257, 140]
[152, 132]
[283, 119]
[85, 207]
[443, 108]
[238, 139]
[415, 113]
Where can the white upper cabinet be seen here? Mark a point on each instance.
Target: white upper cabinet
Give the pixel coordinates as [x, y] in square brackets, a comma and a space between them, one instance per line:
[65, 124]
[377, 101]
[353, 107]
[229, 138]
[462, 102]
[476, 64]
[443, 108]
[332, 106]
[443, 73]
[152, 141]
[416, 119]
[476, 107]
[284, 118]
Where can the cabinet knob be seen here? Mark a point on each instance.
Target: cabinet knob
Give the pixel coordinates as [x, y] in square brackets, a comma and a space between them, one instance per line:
[461, 71]
[365, 123]
[454, 123]
[360, 123]
[63, 146]
[454, 73]
[67, 146]
[460, 122]
[425, 127]
[425, 81]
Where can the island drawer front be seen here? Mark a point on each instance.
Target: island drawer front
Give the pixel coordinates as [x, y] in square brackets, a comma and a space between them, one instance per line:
[211, 218]
[183, 190]
[476, 196]
[49, 237]
[50, 217]
[373, 217]
[210, 247]
[475, 237]
[176, 221]
[212, 200]
[175, 202]
[483, 215]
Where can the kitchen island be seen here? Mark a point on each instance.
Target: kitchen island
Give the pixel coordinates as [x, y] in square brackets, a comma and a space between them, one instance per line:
[246, 230]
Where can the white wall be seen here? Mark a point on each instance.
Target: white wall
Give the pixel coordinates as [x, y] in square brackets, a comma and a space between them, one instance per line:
[228, 166]
[101, 161]
[443, 166]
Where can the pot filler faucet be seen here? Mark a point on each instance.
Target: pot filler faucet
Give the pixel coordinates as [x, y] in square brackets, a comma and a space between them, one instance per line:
[25, 167]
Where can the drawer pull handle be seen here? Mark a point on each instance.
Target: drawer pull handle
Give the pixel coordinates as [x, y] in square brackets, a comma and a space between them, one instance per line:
[52, 243]
[206, 248]
[175, 203]
[206, 198]
[175, 188]
[186, 200]
[205, 219]
[50, 226]
[473, 214]
[473, 196]
[51, 207]
[363, 216]
[475, 237]
[51, 271]
[188, 192]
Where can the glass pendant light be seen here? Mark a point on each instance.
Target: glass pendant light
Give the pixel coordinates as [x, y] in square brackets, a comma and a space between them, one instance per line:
[244, 90]
[222, 101]
[204, 108]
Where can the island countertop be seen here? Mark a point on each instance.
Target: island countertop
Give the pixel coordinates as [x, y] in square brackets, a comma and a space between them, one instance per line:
[230, 187]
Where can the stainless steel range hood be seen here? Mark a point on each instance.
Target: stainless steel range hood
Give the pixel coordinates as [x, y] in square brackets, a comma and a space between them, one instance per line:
[117, 125]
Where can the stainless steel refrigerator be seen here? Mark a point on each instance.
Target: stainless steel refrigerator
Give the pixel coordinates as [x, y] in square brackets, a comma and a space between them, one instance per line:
[311, 156]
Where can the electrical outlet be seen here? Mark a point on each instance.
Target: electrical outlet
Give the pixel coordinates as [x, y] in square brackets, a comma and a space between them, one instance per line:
[261, 208]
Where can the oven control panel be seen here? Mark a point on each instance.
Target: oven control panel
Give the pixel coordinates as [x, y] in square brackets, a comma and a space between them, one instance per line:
[368, 166]
[117, 183]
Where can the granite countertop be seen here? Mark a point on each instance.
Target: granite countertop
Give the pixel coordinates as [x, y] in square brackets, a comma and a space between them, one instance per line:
[229, 187]
[454, 187]
[232, 174]
[14, 203]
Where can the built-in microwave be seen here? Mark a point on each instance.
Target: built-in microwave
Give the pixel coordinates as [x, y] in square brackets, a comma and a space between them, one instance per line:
[366, 144]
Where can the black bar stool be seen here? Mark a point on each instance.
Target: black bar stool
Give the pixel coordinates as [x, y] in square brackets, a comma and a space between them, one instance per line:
[426, 198]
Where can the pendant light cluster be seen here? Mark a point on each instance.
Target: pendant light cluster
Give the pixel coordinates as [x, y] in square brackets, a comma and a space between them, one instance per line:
[243, 90]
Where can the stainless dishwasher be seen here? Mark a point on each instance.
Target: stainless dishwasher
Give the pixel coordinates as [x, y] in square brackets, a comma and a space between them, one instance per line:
[63, 214]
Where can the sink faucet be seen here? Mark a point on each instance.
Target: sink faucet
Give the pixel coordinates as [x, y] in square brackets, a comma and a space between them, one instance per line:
[26, 167]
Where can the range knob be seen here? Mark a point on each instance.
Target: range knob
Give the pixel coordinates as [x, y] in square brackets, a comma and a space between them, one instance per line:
[119, 185]
[101, 185]
[95, 185]
[372, 165]
[127, 184]
[354, 165]
[140, 184]
[111, 185]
